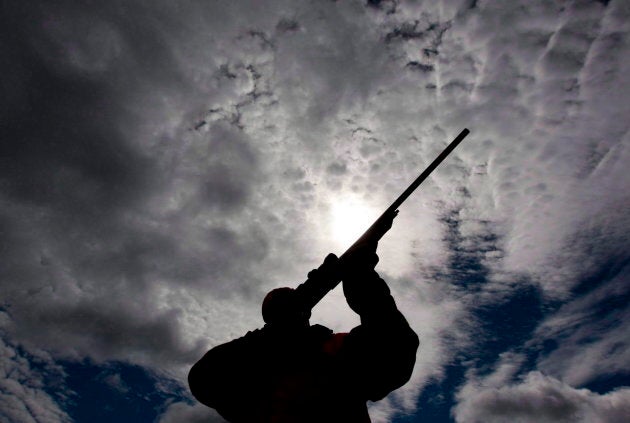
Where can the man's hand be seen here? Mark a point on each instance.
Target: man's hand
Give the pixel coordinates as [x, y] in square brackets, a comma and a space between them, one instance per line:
[360, 259]
[386, 222]
[320, 281]
[329, 269]
[362, 255]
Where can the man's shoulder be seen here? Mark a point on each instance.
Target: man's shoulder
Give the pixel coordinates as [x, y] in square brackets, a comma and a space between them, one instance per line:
[331, 343]
[320, 331]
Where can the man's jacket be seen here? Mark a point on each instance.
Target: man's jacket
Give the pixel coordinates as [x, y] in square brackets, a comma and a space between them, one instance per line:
[310, 374]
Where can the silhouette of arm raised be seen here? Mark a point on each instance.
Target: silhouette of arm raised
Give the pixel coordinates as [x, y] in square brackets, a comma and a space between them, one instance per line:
[381, 352]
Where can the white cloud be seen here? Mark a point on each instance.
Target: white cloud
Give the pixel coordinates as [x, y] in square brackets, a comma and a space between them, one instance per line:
[592, 337]
[539, 398]
[22, 397]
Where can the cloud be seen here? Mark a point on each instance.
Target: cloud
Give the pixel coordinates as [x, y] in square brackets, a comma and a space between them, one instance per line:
[117, 383]
[100, 219]
[181, 412]
[539, 398]
[22, 395]
[589, 333]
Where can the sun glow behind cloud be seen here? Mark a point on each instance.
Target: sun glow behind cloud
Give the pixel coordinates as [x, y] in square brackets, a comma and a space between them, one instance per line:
[350, 217]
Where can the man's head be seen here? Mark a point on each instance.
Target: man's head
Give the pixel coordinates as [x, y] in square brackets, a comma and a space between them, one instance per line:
[281, 307]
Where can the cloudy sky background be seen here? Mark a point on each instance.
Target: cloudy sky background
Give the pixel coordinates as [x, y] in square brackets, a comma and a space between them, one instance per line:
[164, 164]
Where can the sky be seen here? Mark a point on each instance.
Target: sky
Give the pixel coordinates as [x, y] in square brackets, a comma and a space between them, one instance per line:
[165, 164]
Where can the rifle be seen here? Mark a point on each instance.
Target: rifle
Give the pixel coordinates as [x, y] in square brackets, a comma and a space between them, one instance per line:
[317, 286]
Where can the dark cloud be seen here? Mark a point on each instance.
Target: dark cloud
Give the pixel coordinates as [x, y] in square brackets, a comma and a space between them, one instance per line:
[67, 153]
[337, 168]
[287, 25]
[231, 169]
[84, 248]
[418, 66]
[103, 330]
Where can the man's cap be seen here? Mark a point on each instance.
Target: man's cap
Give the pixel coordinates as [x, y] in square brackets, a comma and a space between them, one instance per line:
[281, 304]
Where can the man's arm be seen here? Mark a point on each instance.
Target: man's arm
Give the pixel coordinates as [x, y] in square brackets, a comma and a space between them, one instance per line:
[381, 352]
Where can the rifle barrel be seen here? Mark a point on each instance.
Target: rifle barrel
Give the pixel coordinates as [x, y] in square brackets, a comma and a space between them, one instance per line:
[424, 175]
[312, 291]
[411, 188]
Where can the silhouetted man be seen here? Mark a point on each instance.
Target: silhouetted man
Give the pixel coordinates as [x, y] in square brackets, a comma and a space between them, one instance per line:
[290, 371]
